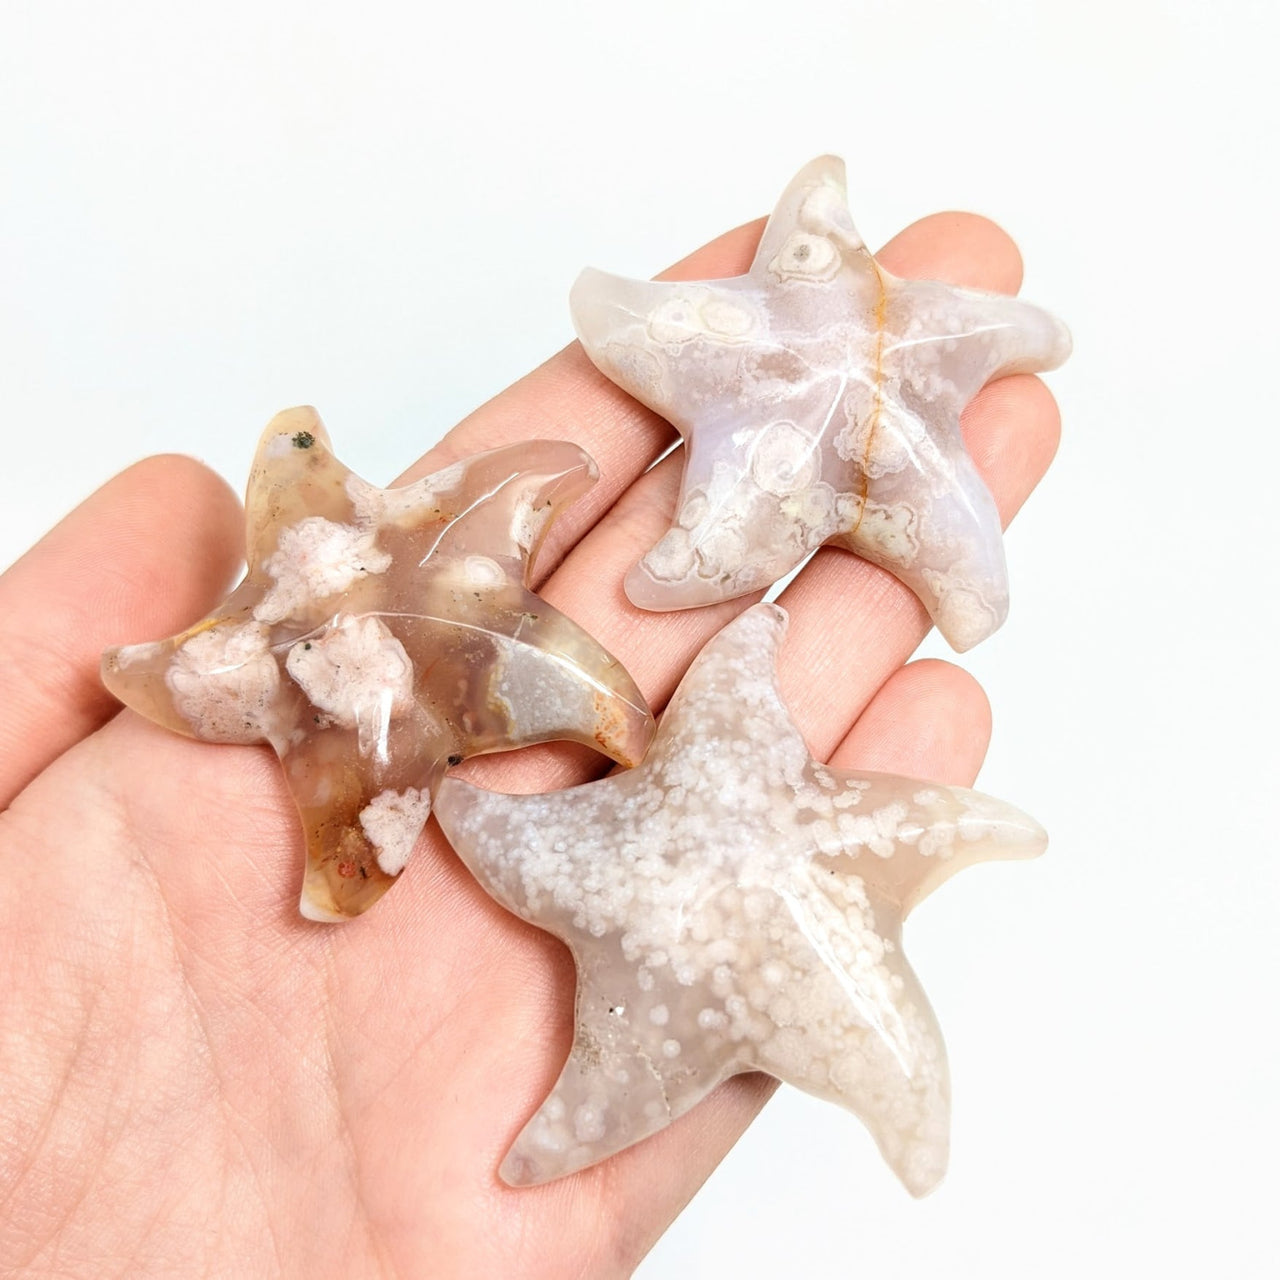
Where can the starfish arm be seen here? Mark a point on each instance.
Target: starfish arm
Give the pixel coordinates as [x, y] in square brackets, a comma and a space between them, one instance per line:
[628, 1075]
[607, 308]
[363, 790]
[500, 504]
[729, 682]
[219, 680]
[937, 529]
[903, 837]
[520, 671]
[626, 1078]
[679, 347]
[751, 508]
[553, 681]
[637, 331]
[945, 343]
[844, 1018]
[513, 845]
[813, 205]
[294, 475]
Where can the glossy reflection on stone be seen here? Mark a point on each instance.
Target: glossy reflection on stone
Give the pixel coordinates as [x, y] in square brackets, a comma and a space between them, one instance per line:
[819, 398]
[381, 635]
[733, 905]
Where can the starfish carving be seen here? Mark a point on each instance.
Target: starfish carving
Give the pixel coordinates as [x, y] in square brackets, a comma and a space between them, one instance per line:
[731, 904]
[819, 399]
[381, 635]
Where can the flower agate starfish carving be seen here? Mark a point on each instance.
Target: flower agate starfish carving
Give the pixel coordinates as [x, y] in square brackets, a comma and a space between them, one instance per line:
[732, 905]
[381, 635]
[819, 398]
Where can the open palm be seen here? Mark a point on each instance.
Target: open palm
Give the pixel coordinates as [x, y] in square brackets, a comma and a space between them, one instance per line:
[193, 1079]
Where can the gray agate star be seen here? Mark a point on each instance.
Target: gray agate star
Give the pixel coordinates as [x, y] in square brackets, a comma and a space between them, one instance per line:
[819, 398]
[733, 905]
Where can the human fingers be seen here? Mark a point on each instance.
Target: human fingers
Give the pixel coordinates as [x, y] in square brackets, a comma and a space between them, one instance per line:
[960, 248]
[948, 745]
[150, 550]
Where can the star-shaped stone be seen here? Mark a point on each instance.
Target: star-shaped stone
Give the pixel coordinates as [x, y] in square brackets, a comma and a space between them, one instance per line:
[381, 635]
[819, 399]
[733, 905]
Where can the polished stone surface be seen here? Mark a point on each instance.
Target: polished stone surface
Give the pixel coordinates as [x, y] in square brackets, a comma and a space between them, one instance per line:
[732, 904]
[381, 635]
[819, 398]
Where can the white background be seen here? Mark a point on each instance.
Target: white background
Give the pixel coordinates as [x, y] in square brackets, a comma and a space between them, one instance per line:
[208, 213]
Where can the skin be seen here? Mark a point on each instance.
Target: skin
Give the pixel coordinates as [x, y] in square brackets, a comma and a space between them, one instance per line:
[198, 1082]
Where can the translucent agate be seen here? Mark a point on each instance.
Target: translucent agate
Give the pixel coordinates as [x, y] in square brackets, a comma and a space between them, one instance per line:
[381, 635]
[819, 399]
[731, 904]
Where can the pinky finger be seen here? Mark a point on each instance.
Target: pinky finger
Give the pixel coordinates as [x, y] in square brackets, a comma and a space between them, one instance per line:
[929, 720]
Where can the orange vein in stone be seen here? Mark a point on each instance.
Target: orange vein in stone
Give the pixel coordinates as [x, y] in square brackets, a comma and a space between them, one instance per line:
[877, 401]
[205, 624]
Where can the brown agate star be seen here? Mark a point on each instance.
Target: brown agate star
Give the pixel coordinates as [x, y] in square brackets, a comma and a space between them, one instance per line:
[381, 635]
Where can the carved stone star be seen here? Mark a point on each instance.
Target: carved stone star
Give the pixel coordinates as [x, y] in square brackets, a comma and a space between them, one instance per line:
[733, 905]
[819, 399]
[381, 635]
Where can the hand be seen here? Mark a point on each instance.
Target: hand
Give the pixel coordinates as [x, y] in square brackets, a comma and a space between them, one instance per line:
[196, 1080]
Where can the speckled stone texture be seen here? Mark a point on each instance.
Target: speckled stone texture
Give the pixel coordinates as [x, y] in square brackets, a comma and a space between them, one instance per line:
[381, 635]
[732, 904]
[819, 399]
